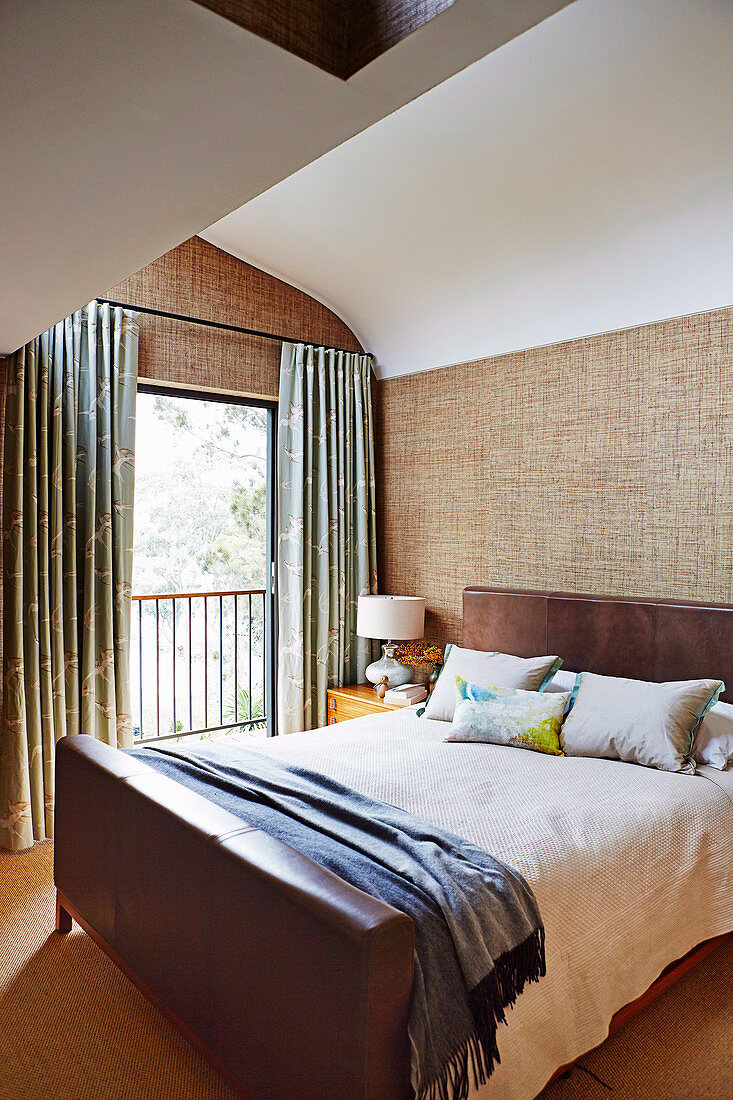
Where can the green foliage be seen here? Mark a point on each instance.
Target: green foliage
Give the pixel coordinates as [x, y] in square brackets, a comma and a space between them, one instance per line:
[238, 549]
[217, 428]
[258, 708]
[200, 497]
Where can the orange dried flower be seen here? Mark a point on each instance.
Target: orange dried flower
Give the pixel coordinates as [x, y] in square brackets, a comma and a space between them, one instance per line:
[415, 654]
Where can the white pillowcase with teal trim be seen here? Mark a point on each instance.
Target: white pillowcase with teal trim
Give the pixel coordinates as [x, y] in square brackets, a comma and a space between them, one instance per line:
[498, 669]
[638, 721]
[714, 738]
[563, 680]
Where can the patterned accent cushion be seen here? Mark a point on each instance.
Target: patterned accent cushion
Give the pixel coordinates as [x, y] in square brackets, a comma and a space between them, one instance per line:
[501, 669]
[508, 716]
[638, 721]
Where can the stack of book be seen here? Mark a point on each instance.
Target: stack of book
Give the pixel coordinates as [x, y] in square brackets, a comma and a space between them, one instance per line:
[406, 694]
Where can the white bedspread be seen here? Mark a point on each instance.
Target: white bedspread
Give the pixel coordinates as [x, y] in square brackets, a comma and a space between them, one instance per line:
[631, 867]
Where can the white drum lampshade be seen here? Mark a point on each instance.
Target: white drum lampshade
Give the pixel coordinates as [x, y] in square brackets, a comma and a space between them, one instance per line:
[391, 617]
[400, 617]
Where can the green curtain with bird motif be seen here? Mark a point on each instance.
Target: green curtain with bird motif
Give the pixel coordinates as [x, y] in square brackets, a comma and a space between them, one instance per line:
[68, 485]
[327, 529]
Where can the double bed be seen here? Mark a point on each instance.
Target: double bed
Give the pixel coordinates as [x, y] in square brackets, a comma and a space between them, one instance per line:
[298, 985]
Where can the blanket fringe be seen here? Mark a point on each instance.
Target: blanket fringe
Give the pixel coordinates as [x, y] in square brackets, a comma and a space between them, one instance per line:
[478, 1055]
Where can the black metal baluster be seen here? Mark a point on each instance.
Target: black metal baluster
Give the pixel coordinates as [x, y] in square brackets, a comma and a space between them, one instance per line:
[250, 717]
[236, 683]
[221, 662]
[206, 662]
[249, 654]
[190, 688]
[264, 660]
[157, 667]
[173, 609]
[140, 655]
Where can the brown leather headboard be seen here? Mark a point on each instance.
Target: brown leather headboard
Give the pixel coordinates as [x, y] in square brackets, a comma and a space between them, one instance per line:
[642, 639]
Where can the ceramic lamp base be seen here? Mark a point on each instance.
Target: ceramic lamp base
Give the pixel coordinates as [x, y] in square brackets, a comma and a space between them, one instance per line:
[388, 666]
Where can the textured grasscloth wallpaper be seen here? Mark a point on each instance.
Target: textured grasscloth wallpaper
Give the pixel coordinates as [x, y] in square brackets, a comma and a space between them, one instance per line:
[601, 465]
[197, 279]
[200, 280]
[4, 369]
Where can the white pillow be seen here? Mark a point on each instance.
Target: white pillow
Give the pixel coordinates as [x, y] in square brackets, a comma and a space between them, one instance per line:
[563, 680]
[637, 721]
[492, 669]
[714, 739]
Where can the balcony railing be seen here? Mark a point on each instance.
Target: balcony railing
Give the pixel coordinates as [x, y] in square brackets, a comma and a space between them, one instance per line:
[198, 663]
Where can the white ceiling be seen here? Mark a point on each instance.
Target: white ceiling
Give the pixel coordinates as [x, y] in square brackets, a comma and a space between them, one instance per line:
[125, 128]
[577, 180]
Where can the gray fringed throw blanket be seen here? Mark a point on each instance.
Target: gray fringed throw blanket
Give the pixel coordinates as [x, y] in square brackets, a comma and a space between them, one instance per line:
[478, 933]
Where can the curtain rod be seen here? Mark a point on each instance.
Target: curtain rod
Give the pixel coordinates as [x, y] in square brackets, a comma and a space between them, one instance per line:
[219, 324]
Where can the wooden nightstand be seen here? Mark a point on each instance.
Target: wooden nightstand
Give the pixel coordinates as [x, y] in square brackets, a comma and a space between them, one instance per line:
[354, 702]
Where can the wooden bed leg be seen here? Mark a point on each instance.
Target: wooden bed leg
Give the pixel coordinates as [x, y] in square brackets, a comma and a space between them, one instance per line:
[63, 919]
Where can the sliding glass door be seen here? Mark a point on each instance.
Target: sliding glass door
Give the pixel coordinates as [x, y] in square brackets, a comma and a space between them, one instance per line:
[203, 607]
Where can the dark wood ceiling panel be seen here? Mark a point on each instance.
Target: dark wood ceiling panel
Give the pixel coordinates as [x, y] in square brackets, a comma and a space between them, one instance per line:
[376, 26]
[312, 29]
[339, 36]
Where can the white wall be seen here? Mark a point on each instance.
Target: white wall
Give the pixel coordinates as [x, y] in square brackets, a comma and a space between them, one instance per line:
[125, 128]
[577, 180]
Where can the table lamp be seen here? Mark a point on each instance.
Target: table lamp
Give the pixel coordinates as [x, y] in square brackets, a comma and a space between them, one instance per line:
[391, 617]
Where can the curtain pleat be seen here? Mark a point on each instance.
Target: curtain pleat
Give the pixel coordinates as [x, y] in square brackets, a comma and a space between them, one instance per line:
[68, 485]
[327, 528]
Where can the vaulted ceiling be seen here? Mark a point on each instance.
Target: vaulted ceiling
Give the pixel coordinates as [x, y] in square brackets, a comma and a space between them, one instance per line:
[126, 128]
[579, 179]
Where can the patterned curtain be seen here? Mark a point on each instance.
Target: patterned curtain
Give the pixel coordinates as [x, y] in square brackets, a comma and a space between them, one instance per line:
[69, 438]
[327, 540]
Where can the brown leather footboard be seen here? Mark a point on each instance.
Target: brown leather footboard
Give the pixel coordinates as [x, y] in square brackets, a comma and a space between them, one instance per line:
[296, 981]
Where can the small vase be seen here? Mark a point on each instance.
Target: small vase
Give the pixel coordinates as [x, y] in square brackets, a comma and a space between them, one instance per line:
[421, 674]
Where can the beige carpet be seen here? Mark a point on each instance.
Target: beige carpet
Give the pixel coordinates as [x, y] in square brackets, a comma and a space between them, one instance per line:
[73, 1028]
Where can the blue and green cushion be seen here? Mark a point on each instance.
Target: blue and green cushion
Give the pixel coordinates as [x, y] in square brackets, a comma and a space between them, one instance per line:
[508, 716]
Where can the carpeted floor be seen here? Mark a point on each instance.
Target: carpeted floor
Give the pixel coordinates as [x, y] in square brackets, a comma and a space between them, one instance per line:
[73, 1028]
